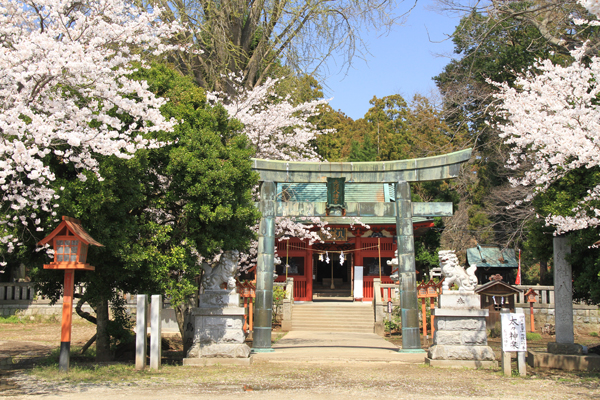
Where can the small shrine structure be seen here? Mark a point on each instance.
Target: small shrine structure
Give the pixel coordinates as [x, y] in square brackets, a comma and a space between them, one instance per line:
[496, 295]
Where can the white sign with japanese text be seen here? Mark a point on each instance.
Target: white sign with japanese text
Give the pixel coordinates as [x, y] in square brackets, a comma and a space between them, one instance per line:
[514, 334]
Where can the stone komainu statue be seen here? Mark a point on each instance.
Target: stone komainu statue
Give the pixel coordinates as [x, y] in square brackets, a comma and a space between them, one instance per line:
[454, 273]
[224, 271]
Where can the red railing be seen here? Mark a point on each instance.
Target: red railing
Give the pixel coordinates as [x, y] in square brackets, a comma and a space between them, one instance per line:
[300, 287]
[368, 287]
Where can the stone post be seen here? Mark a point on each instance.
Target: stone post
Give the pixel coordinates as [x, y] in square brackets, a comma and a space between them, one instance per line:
[378, 305]
[141, 337]
[563, 301]
[264, 270]
[289, 289]
[286, 323]
[411, 338]
[563, 291]
[155, 331]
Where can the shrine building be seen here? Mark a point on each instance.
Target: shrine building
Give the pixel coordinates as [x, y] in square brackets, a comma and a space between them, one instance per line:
[351, 244]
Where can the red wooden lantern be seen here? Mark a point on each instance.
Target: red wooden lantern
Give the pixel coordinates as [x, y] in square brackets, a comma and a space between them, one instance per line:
[70, 243]
[530, 295]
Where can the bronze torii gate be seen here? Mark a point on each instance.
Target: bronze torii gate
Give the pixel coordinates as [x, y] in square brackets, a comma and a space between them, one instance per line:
[399, 172]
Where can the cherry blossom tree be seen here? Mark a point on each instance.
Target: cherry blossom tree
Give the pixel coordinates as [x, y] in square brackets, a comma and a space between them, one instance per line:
[553, 125]
[278, 130]
[63, 88]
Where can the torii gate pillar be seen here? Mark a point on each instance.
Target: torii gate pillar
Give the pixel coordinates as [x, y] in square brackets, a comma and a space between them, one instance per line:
[261, 336]
[411, 338]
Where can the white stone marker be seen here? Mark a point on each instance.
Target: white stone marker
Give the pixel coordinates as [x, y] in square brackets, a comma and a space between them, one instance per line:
[155, 331]
[141, 337]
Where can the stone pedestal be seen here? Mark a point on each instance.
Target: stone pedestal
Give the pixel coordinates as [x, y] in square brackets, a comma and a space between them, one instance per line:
[460, 338]
[218, 330]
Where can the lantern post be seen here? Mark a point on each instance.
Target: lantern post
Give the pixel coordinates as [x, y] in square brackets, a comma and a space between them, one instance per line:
[530, 296]
[70, 243]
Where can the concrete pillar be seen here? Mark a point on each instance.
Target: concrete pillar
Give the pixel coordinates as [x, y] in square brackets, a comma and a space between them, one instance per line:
[141, 337]
[155, 331]
[563, 291]
[264, 270]
[411, 338]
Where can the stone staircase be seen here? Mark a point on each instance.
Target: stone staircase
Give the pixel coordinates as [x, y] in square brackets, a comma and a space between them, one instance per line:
[333, 316]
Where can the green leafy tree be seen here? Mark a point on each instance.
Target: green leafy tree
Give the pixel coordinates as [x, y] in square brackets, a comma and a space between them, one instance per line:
[365, 151]
[158, 212]
[388, 118]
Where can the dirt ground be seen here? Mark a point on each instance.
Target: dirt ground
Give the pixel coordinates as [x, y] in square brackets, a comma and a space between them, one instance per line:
[30, 343]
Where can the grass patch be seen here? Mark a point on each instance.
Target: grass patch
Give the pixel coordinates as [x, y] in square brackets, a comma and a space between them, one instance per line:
[75, 356]
[118, 373]
[12, 319]
[533, 336]
[89, 373]
[30, 319]
[594, 334]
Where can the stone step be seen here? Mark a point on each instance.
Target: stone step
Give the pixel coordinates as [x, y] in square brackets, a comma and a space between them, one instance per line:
[333, 317]
[332, 321]
[323, 310]
[336, 316]
[325, 328]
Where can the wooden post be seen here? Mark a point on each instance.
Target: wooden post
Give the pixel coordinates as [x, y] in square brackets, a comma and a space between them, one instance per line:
[431, 307]
[67, 316]
[506, 367]
[521, 355]
[531, 319]
[332, 286]
[424, 311]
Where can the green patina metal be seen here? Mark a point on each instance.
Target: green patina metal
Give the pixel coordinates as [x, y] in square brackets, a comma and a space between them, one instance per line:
[294, 209]
[335, 192]
[416, 170]
[401, 173]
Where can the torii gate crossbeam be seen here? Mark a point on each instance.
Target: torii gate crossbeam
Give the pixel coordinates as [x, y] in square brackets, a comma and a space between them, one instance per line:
[399, 172]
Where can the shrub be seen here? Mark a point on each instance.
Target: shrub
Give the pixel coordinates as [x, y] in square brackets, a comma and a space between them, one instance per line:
[496, 331]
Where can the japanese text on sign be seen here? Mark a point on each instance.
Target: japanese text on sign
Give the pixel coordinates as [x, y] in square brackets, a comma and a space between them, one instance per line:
[514, 336]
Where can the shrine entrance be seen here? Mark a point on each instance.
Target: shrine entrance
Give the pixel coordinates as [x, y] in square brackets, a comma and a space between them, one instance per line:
[335, 175]
[332, 262]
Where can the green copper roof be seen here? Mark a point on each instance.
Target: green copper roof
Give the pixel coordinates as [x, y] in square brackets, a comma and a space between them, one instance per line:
[486, 257]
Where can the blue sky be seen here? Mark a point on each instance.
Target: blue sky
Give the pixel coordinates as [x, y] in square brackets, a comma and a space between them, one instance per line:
[402, 62]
